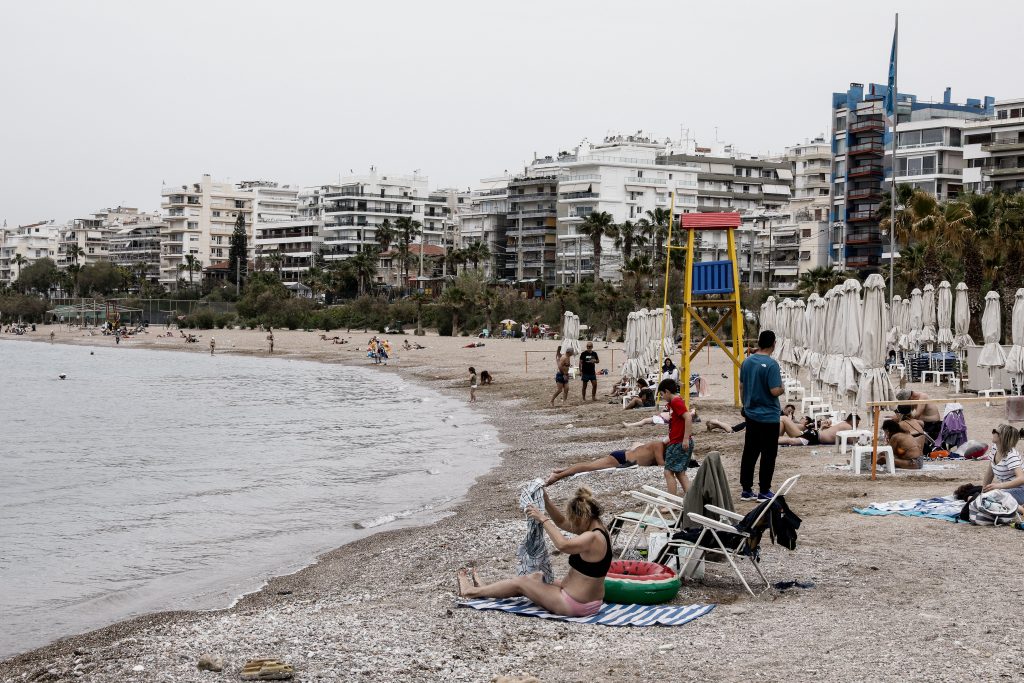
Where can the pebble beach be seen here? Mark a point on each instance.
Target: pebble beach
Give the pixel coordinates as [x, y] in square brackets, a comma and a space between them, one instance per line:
[894, 598]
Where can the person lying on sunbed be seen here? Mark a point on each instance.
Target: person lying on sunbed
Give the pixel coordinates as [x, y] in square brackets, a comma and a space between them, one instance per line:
[784, 425]
[812, 435]
[581, 592]
[647, 454]
[907, 453]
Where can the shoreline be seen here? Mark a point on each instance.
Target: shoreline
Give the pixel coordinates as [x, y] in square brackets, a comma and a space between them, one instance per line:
[384, 606]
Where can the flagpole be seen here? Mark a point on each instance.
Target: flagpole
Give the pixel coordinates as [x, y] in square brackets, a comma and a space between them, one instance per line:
[895, 166]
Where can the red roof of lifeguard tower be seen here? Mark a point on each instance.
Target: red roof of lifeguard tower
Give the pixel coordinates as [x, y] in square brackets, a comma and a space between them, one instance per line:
[710, 221]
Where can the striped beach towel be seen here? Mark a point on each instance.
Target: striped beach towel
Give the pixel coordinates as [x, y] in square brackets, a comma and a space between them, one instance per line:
[610, 615]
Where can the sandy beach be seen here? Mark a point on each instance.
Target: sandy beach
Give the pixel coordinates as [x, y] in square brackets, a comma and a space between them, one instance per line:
[895, 598]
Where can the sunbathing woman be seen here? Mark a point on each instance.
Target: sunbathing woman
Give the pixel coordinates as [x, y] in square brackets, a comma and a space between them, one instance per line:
[906, 452]
[581, 592]
[825, 433]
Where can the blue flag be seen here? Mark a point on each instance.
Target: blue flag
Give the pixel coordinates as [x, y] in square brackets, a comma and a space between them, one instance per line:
[890, 92]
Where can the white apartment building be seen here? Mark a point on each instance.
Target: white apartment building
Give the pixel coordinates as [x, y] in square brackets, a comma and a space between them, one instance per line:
[621, 176]
[31, 242]
[136, 243]
[438, 217]
[200, 218]
[92, 234]
[994, 149]
[353, 208]
[481, 216]
[809, 208]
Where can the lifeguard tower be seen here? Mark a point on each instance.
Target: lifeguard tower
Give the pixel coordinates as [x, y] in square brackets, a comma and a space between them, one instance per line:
[712, 285]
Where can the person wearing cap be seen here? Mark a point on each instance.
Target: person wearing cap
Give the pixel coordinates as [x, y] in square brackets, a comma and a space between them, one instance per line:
[927, 413]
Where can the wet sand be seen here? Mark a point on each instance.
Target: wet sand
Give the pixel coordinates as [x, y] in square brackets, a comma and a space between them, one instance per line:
[896, 598]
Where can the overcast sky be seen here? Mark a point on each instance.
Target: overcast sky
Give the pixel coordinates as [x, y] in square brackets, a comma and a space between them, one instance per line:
[100, 102]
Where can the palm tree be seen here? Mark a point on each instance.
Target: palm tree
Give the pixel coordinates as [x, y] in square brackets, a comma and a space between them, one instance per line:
[275, 260]
[407, 230]
[385, 235]
[74, 252]
[639, 270]
[477, 252]
[20, 260]
[628, 235]
[191, 264]
[597, 225]
[454, 258]
[363, 266]
[453, 299]
[819, 280]
[655, 228]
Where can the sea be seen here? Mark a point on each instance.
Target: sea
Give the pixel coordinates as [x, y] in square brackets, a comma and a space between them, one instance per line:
[154, 480]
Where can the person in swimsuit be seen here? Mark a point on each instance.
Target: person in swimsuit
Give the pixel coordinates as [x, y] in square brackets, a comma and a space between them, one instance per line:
[644, 397]
[472, 385]
[562, 375]
[907, 454]
[581, 592]
[927, 413]
[639, 455]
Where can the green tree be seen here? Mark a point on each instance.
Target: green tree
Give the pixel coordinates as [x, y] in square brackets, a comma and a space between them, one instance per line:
[101, 278]
[407, 230]
[385, 235]
[596, 226]
[453, 300]
[19, 260]
[363, 267]
[628, 235]
[655, 229]
[238, 254]
[477, 252]
[75, 252]
[192, 265]
[638, 271]
[39, 276]
[275, 260]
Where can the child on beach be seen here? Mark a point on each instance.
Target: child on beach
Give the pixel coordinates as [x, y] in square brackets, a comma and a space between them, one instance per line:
[680, 440]
[472, 385]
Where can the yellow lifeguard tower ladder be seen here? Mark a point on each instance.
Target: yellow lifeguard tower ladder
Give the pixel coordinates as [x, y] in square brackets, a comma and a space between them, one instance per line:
[712, 284]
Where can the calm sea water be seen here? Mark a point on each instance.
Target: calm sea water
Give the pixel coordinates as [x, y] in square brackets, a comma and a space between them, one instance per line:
[152, 480]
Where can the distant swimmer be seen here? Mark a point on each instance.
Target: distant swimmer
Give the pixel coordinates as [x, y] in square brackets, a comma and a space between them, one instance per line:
[62, 376]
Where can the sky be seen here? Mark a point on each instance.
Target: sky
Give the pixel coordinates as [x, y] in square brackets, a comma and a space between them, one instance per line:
[102, 102]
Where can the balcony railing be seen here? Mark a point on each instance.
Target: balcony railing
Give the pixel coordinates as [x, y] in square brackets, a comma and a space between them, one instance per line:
[637, 180]
[578, 178]
[933, 170]
[869, 124]
[1000, 171]
[862, 261]
[864, 193]
[864, 170]
[867, 148]
[855, 216]
[863, 237]
[580, 195]
[533, 196]
[1003, 145]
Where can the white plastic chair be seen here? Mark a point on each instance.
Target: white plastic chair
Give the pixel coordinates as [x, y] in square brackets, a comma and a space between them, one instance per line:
[731, 553]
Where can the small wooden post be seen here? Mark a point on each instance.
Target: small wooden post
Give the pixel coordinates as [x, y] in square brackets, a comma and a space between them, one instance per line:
[876, 414]
[526, 362]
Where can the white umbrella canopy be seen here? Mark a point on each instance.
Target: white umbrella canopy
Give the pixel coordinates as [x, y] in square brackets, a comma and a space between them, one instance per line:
[893, 338]
[916, 318]
[632, 367]
[945, 315]
[810, 342]
[818, 362]
[833, 364]
[779, 329]
[768, 315]
[961, 319]
[851, 321]
[784, 346]
[904, 313]
[928, 316]
[1015, 358]
[992, 355]
[570, 332]
[799, 332]
[874, 384]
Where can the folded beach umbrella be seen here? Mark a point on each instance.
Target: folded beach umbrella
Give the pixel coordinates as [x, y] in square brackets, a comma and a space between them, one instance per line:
[833, 364]
[669, 339]
[905, 325]
[799, 332]
[631, 365]
[874, 384]
[944, 316]
[893, 338]
[851, 321]
[1015, 358]
[928, 335]
[916, 319]
[809, 341]
[570, 332]
[992, 355]
[961, 319]
[784, 345]
[818, 334]
[768, 318]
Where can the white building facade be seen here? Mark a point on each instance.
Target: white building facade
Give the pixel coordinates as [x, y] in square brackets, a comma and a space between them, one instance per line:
[994, 149]
[24, 245]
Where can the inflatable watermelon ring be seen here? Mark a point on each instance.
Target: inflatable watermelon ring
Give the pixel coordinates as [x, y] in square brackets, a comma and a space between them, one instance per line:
[643, 583]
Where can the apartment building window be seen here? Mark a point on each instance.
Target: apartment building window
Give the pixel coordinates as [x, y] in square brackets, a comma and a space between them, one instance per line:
[805, 256]
[840, 168]
[216, 214]
[840, 188]
[239, 204]
[841, 122]
[841, 146]
[92, 250]
[639, 174]
[1003, 114]
[193, 225]
[806, 232]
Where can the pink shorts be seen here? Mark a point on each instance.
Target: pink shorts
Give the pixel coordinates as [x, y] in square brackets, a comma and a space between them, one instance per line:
[581, 609]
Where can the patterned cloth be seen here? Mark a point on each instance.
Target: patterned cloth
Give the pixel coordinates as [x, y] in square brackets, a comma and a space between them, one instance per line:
[610, 615]
[945, 507]
[533, 552]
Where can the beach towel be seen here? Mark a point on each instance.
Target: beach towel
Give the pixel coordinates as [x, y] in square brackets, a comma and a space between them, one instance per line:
[944, 507]
[533, 552]
[609, 615]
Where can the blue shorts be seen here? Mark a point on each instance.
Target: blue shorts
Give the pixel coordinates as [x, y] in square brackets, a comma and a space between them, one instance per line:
[561, 379]
[677, 456]
[620, 457]
[589, 377]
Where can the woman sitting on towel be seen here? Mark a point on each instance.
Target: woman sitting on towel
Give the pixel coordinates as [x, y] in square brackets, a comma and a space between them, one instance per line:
[907, 453]
[1007, 471]
[581, 592]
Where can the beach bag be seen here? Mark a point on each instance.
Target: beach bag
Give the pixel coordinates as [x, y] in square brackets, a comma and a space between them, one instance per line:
[993, 508]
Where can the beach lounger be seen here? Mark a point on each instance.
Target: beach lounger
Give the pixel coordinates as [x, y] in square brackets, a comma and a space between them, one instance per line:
[662, 511]
[732, 543]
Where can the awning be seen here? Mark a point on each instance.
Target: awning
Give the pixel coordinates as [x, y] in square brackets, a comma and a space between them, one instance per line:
[573, 187]
[784, 173]
[775, 189]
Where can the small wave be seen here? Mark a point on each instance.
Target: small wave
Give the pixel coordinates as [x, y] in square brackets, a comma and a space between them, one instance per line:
[394, 517]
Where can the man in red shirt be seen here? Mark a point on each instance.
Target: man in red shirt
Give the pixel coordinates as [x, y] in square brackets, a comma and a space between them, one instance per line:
[680, 441]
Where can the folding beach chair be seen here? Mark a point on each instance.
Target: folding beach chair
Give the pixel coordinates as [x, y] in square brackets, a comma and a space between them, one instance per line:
[732, 543]
[661, 511]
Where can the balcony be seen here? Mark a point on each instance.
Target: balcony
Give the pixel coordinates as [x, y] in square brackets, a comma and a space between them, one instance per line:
[864, 237]
[860, 216]
[929, 170]
[637, 180]
[867, 148]
[864, 193]
[868, 125]
[1010, 170]
[570, 196]
[866, 170]
[862, 261]
[540, 213]
[533, 196]
[1003, 145]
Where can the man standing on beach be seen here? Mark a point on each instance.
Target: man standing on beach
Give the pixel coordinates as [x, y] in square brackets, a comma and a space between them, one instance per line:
[588, 371]
[562, 374]
[213, 345]
[760, 387]
[270, 340]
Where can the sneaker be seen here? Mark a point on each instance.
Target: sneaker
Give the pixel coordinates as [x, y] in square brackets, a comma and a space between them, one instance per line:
[765, 495]
[748, 495]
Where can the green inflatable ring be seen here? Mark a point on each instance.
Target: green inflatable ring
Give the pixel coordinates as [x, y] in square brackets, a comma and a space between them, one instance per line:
[640, 583]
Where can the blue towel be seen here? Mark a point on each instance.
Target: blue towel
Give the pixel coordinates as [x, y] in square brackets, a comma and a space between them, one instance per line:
[609, 615]
[945, 507]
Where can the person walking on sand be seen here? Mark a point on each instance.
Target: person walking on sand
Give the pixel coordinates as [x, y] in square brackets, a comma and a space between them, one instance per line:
[213, 345]
[588, 371]
[680, 437]
[270, 340]
[52, 335]
[562, 374]
[760, 388]
[472, 385]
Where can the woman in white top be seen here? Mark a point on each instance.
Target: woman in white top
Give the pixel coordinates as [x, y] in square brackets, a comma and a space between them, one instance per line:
[1007, 471]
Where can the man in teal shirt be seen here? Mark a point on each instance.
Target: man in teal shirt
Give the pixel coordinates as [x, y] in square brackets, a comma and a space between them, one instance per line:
[760, 387]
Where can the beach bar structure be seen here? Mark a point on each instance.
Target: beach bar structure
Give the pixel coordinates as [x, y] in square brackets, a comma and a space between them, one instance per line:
[92, 311]
[712, 285]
